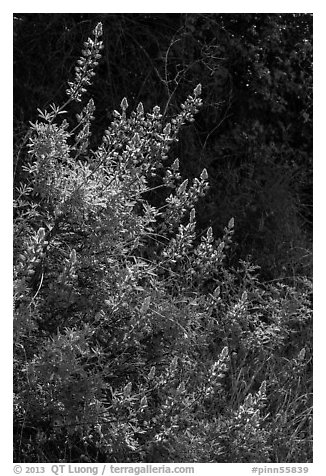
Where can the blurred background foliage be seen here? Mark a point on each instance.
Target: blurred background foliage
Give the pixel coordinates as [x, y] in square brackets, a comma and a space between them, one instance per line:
[253, 134]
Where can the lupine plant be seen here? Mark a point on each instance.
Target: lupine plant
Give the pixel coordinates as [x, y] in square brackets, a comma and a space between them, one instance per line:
[134, 341]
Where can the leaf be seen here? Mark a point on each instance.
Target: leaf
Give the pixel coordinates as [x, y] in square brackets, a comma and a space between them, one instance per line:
[40, 235]
[182, 187]
[302, 354]
[143, 402]
[192, 215]
[145, 306]
[231, 223]
[127, 390]
[73, 257]
[244, 296]
[175, 165]
[151, 374]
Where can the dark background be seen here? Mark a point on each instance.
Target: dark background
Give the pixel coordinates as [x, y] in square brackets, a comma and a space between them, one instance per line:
[253, 134]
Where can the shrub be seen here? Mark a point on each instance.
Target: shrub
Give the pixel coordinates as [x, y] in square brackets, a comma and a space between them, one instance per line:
[254, 130]
[134, 341]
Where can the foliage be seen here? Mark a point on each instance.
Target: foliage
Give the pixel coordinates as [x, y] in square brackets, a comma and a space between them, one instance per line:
[253, 133]
[135, 340]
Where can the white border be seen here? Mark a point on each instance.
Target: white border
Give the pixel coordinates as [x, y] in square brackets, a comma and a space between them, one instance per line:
[314, 7]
